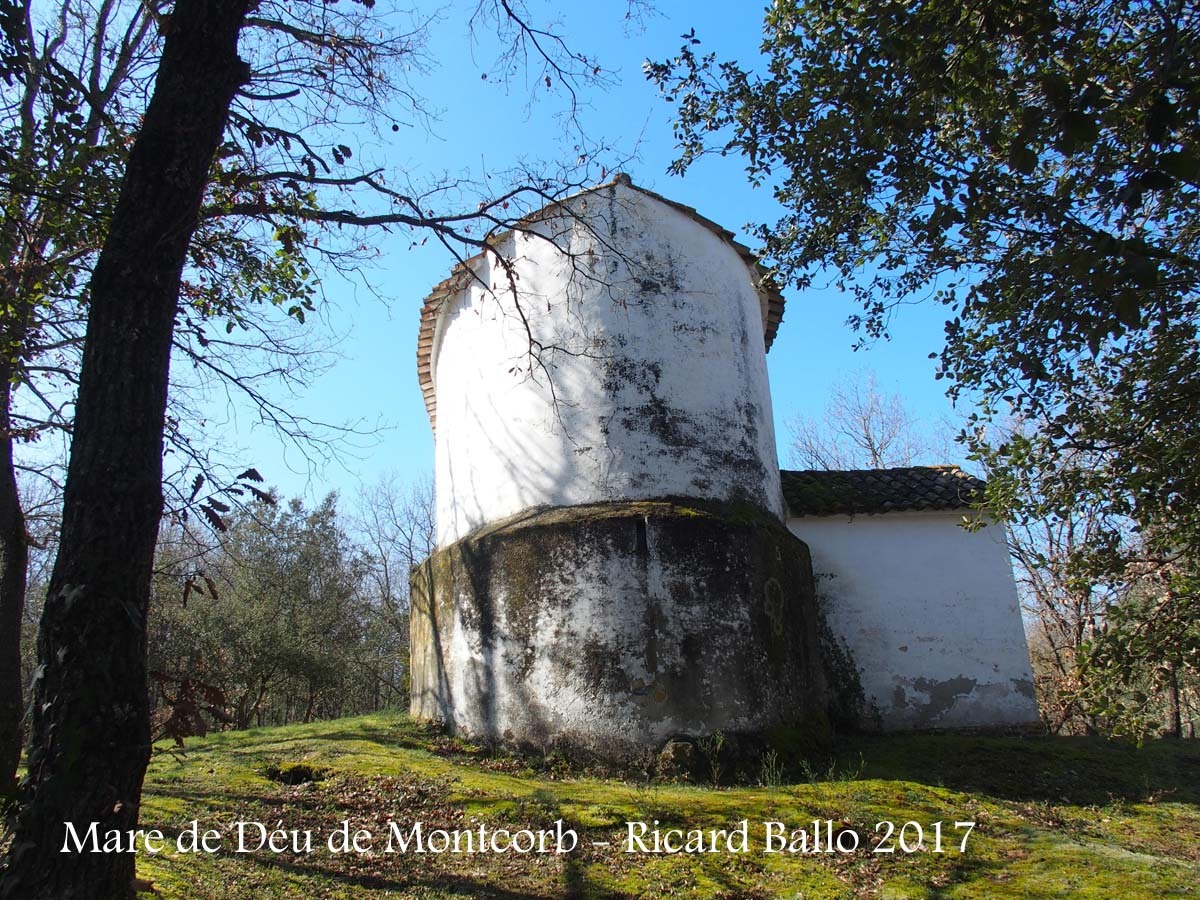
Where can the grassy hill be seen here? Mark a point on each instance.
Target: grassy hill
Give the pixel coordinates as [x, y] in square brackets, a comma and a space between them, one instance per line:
[1054, 818]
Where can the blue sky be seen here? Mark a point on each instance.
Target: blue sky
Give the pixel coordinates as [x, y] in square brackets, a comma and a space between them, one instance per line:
[482, 123]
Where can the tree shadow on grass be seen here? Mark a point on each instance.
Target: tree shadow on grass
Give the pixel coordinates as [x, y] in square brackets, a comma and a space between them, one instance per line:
[322, 807]
[441, 882]
[1078, 770]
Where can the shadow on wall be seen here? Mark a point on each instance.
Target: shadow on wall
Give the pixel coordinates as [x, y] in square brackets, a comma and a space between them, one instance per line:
[615, 627]
[639, 374]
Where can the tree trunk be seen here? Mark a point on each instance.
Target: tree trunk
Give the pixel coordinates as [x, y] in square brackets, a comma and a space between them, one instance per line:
[90, 739]
[19, 273]
[14, 553]
[1174, 707]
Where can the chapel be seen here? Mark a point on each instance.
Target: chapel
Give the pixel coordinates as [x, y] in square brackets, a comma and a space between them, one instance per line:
[620, 559]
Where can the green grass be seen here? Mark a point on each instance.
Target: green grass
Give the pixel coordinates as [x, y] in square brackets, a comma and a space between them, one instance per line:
[1055, 818]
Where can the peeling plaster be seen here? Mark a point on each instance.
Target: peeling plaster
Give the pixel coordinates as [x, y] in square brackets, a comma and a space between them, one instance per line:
[929, 612]
[617, 626]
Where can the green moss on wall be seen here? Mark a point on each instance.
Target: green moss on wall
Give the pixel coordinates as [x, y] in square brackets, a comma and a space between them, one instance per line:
[649, 618]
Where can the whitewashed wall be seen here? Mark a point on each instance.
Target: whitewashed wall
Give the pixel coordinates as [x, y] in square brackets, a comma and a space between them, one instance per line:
[929, 611]
[651, 383]
[616, 627]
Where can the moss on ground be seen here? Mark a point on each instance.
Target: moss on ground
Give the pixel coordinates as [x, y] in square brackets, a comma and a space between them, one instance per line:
[1055, 818]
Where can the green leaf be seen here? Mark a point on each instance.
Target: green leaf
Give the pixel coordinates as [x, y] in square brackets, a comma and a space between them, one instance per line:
[1022, 159]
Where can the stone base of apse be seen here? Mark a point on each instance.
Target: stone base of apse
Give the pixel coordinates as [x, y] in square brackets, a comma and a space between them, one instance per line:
[613, 628]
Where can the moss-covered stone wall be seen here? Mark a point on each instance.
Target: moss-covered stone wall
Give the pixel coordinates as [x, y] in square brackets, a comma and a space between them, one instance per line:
[617, 626]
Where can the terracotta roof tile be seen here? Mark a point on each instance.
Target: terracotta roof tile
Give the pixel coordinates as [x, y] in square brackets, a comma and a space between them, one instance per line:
[815, 492]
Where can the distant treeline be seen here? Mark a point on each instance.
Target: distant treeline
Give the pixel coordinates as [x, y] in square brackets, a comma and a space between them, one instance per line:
[289, 614]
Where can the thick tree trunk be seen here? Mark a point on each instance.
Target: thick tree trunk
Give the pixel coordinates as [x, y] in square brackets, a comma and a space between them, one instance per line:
[90, 738]
[14, 554]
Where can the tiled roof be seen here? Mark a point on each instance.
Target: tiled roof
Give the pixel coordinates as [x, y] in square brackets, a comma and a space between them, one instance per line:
[864, 491]
[460, 277]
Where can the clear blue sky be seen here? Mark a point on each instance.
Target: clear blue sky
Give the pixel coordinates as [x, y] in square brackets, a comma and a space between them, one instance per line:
[482, 123]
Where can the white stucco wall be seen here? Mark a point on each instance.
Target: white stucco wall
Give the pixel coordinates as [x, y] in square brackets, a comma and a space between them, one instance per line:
[929, 611]
[650, 380]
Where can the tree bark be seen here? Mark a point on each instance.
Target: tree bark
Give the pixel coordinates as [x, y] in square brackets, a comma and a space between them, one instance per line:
[14, 555]
[90, 740]
[19, 272]
[1174, 707]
